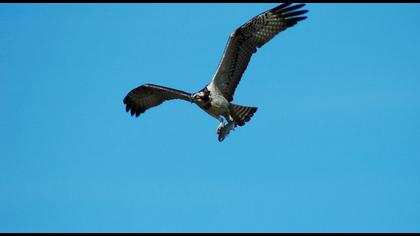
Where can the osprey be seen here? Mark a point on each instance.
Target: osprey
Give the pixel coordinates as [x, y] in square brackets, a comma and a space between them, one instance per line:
[216, 97]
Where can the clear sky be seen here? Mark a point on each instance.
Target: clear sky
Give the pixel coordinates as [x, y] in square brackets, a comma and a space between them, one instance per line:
[333, 147]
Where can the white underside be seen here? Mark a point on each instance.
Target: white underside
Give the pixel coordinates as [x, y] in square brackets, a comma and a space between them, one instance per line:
[219, 109]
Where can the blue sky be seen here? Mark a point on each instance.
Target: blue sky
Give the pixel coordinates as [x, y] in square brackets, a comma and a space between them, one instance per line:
[333, 147]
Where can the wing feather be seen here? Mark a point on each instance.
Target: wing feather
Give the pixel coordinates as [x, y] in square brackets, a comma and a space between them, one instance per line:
[245, 40]
[147, 96]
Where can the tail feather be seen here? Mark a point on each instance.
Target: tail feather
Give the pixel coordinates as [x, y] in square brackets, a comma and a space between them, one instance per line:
[241, 114]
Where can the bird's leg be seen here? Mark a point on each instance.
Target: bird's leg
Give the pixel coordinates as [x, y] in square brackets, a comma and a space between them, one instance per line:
[230, 118]
[231, 122]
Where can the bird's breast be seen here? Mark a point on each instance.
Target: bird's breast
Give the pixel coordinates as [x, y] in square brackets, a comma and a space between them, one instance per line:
[218, 106]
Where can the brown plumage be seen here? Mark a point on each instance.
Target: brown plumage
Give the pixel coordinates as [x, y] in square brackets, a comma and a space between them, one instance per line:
[245, 40]
[216, 97]
[147, 96]
[241, 114]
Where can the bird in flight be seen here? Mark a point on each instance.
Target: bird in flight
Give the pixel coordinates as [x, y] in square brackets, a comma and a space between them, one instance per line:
[217, 96]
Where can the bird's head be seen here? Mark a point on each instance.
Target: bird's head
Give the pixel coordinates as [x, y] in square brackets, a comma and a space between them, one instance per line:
[201, 96]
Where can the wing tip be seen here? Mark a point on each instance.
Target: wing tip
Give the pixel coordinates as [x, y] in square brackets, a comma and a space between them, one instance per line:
[281, 6]
[288, 10]
[131, 108]
[295, 20]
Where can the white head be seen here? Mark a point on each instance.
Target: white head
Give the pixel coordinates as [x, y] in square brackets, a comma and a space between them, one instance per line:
[201, 96]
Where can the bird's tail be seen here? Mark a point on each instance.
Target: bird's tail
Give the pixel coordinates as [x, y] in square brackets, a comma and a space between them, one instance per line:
[241, 114]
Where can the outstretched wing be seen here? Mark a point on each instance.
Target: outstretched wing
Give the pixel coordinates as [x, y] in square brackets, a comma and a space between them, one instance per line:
[245, 40]
[147, 96]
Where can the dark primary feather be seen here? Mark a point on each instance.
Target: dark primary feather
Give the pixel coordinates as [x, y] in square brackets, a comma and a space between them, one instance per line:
[147, 96]
[245, 40]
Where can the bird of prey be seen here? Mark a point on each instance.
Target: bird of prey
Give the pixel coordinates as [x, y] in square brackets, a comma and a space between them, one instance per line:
[217, 96]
